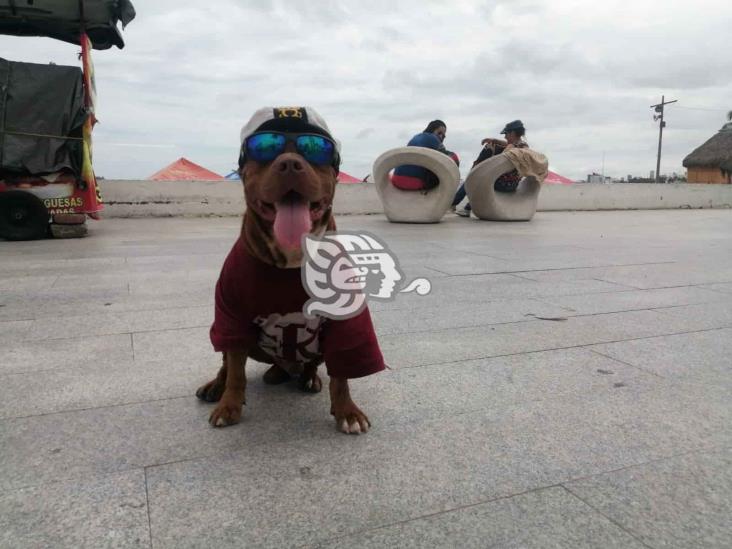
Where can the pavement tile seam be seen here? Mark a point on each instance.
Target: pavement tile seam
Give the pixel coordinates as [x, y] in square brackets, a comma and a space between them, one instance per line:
[542, 299]
[16, 318]
[581, 346]
[658, 310]
[447, 275]
[517, 275]
[457, 509]
[534, 319]
[627, 363]
[610, 519]
[621, 287]
[141, 310]
[702, 451]
[236, 450]
[491, 301]
[24, 330]
[102, 333]
[698, 451]
[147, 507]
[720, 292]
[594, 267]
[599, 292]
[356, 533]
[167, 330]
[716, 290]
[72, 478]
[669, 287]
[232, 452]
[92, 408]
[558, 269]
[626, 285]
[117, 332]
[507, 496]
[654, 309]
[188, 394]
[669, 308]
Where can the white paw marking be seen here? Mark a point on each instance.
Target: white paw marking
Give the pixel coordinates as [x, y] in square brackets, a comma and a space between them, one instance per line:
[220, 422]
[355, 428]
[344, 426]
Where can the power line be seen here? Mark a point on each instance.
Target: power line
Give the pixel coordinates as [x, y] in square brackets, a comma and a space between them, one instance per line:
[700, 109]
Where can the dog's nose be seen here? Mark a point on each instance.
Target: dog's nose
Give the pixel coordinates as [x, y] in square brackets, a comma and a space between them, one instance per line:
[288, 164]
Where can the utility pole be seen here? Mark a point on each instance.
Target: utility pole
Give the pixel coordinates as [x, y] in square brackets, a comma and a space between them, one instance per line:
[603, 167]
[659, 109]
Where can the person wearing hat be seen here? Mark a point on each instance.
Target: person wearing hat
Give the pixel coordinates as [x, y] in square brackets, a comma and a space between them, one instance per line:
[508, 182]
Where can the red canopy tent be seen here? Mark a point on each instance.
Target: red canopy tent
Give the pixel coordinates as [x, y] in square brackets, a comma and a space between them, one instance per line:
[344, 177]
[184, 170]
[554, 178]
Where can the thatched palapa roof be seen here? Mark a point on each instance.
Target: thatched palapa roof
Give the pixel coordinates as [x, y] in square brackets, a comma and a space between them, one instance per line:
[715, 153]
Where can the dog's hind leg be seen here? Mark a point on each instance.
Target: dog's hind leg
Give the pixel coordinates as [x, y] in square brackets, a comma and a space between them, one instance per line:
[228, 410]
[309, 380]
[212, 391]
[275, 375]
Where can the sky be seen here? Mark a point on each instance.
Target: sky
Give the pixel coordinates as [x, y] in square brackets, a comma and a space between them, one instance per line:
[582, 76]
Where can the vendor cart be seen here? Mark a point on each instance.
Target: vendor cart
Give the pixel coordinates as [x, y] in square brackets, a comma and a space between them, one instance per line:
[47, 182]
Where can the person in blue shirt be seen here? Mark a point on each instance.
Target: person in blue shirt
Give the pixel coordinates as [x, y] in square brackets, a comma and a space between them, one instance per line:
[417, 178]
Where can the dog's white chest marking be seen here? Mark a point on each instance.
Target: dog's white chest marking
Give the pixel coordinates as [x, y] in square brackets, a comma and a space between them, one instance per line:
[291, 340]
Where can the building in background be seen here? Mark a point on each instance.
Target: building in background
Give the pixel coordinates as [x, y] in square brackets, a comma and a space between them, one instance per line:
[598, 178]
[712, 162]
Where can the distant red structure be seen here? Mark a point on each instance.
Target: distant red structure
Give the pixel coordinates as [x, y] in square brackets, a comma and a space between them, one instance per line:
[185, 170]
[555, 179]
[344, 177]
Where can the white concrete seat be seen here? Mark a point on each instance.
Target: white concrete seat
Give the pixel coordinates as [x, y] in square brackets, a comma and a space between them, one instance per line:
[416, 206]
[490, 205]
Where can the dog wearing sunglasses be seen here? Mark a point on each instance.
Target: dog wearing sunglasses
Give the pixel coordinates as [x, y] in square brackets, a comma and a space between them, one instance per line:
[289, 166]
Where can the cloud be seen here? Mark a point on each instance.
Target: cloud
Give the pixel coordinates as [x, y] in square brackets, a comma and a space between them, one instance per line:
[581, 78]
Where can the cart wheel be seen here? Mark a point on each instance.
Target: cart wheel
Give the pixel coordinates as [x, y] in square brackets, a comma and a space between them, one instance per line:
[22, 216]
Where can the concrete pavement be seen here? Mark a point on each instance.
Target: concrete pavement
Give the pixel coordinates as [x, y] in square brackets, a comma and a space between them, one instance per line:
[566, 384]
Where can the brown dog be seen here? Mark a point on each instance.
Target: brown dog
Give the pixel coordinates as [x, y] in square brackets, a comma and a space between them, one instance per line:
[259, 295]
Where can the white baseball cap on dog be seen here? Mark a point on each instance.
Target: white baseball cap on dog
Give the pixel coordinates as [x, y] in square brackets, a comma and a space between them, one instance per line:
[301, 119]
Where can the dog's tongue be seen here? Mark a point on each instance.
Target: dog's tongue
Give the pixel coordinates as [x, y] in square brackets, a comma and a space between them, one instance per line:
[291, 222]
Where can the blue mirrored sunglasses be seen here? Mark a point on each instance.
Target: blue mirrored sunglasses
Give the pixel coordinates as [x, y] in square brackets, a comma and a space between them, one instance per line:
[264, 147]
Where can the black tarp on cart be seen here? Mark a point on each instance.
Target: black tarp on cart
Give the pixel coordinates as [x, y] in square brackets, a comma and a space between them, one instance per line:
[61, 19]
[41, 118]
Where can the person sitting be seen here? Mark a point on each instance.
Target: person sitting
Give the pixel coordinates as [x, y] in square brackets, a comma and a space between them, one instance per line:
[417, 178]
[508, 182]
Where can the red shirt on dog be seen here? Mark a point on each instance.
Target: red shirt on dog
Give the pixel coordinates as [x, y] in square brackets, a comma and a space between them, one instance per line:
[259, 306]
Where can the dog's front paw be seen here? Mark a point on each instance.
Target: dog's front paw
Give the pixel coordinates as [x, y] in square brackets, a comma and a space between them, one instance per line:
[227, 412]
[350, 419]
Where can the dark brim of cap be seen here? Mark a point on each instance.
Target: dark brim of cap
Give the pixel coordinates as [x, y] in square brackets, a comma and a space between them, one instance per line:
[294, 125]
